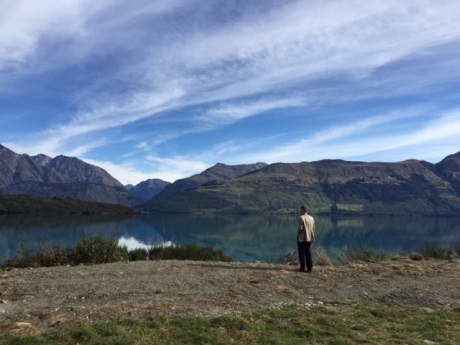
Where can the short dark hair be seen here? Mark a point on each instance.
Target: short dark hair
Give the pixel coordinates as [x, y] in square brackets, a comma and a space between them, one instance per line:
[303, 208]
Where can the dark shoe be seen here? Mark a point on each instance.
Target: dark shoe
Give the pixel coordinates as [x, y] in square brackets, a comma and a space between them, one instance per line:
[300, 270]
[308, 271]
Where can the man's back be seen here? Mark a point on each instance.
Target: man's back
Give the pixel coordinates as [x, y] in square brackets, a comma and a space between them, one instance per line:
[306, 232]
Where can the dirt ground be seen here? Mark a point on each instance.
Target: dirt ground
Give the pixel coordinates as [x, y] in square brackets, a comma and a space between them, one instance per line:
[42, 298]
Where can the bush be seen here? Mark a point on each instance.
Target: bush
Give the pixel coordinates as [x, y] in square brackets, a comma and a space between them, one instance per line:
[42, 257]
[288, 258]
[138, 254]
[188, 252]
[436, 252]
[97, 250]
[360, 254]
[320, 257]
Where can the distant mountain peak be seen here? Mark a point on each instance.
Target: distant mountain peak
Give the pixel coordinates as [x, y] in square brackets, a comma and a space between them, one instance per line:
[218, 172]
[42, 175]
[41, 159]
[149, 188]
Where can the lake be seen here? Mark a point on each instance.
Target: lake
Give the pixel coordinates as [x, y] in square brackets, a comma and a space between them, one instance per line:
[244, 237]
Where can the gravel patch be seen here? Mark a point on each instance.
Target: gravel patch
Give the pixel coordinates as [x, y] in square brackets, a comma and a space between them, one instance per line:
[50, 297]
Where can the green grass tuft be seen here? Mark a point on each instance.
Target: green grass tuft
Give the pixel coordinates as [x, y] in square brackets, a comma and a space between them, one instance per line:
[437, 252]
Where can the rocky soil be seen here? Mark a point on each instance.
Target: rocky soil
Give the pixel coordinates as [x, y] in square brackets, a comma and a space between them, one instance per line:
[37, 299]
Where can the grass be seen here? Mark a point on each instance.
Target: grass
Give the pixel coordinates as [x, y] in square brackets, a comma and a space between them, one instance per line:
[437, 252]
[339, 324]
[319, 256]
[188, 252]
[93, 250]
[361, 253]
[98, 250]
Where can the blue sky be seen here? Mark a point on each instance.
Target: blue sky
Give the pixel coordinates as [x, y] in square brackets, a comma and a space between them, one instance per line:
[167, 88]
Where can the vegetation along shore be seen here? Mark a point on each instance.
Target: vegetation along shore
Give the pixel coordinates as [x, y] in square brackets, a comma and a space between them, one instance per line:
[28, 204]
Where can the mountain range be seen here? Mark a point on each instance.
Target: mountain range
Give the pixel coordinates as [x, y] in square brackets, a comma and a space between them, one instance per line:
[410, 187]
[62, 176]
[218, 172]
[70, 177]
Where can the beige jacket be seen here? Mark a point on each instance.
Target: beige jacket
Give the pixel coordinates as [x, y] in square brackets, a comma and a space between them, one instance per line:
[306, 229]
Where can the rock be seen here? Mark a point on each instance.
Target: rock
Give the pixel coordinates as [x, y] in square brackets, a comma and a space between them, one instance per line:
[415, 256]
[22, 325]
[428, 310]
[2, 301]
[2, 311]
[430, 342]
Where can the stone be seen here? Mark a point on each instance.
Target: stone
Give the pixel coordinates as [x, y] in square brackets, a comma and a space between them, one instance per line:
[428, 310]
[22, 325]
[430, 342]
[2, 311]
[415, 256]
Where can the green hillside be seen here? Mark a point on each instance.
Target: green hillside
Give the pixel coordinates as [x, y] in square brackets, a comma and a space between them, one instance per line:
[338, 187]
[29, 204]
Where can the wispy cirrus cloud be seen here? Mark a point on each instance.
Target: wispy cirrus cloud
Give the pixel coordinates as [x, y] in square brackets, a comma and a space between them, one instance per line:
[441, 133]
[227, 113]
[181, 68]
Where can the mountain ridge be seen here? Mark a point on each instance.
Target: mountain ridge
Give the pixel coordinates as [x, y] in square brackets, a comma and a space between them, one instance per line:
[149, 188]
[61, 176]
[218, 172]
[330, 186]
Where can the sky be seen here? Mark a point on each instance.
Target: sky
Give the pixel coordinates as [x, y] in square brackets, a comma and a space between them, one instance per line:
[167, 88]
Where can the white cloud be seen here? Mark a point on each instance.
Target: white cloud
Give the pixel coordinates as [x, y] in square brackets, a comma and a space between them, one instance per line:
[171, 169]
[233, 112]
[298, 54]
[440, 137]
[294, 43]
[127, 173]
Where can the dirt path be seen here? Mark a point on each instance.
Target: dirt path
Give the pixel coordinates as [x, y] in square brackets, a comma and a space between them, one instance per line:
[40, 298]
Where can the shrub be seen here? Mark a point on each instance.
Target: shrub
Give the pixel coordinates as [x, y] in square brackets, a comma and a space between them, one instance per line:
[288, 258]
[437, 252]
[42, 257]
[188, 252]
[320, 257]
[97, 250]
[432, 251]
[360, 253]
[138, 254]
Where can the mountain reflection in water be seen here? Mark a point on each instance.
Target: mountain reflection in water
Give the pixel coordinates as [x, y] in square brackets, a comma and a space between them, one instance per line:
[244, 237]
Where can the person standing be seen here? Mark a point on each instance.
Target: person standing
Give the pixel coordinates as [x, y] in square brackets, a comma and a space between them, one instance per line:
[305, 236]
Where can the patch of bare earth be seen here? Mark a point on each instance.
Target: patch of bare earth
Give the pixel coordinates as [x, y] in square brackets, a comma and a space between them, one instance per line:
[33, 300]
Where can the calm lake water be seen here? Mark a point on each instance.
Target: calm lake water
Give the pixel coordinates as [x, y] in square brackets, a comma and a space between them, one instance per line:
[244, 237]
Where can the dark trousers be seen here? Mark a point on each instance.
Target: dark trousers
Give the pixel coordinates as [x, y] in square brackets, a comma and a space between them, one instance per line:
[304, 249]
